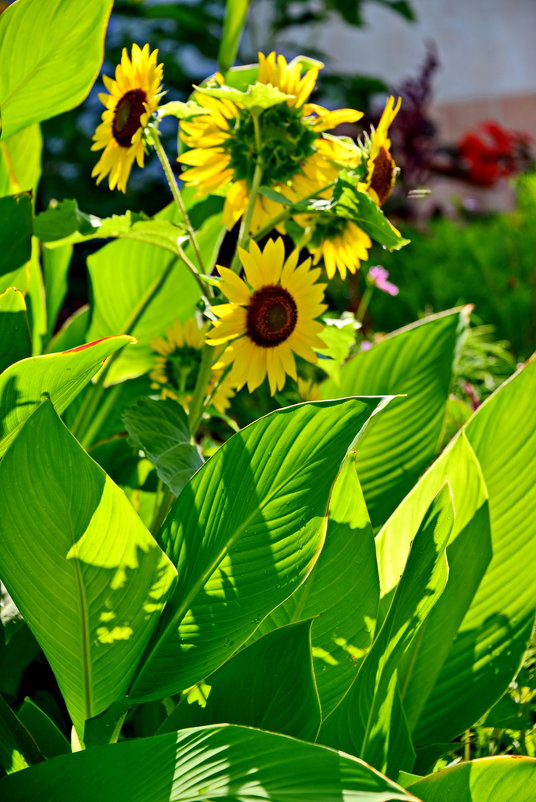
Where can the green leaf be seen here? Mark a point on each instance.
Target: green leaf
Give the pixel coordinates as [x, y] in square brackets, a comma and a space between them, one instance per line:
[490, 779]
[56, 265]
[339, 336]
[72, 332]
[20, 161]
[468, 555]
[59, 376]
[357, 206]
[369, 721]
[15, 341]
[415, 361]
[236, 12]
[17, 748]
[269, 685]
[99, 578]
[162, 430]
[50, 55]
[138, 289]
[244, 534]
[257, 97]
[50, 740]
[15, 231]
[181, 110]
[64, 224]
[208, 763]
[341, 593]
[492, 638]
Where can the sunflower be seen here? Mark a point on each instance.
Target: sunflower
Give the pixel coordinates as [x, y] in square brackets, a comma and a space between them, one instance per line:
[177, 365]
[297, 161]
[381, 167]
[270, 317]
[133, 98]
[308, 390]
[339, 242]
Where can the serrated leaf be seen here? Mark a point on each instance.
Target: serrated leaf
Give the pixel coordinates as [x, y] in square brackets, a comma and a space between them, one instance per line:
[244, 533]
[161, 429]
[181, 110]
[349, 202]
[257, 96]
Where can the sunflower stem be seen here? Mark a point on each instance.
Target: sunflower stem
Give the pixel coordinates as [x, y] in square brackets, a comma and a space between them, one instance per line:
[244, 235]
[177, 197]
[364, 303]
[203, 378]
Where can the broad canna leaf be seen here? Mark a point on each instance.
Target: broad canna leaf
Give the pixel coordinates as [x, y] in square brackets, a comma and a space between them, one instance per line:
[59, 376]
[86, 574]
[488, 649]
[341, 593]
[491, 779]
[20, 161]
[50, 54]
[468, 555]
[236, 12]
[269, 685]
[415, 362]
[369, 720]
[244, 533]
[222, 762]
[15, 232]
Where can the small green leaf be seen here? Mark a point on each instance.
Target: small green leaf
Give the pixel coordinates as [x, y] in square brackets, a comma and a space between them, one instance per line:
[18, 750]
[257, 97]
[50, 740]
[181, 110]
[348, 201]
[161, 429]
[15, 340]
[235, 18]
[15, 232]
[50, 54]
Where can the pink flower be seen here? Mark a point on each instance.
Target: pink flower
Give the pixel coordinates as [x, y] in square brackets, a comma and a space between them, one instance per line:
[378, 276]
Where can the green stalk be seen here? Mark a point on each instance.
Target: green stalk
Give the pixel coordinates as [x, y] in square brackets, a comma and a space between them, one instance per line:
[286, 213]
[203, 378]
[364, 303]
[162, 510]
[244, 236]
[177, 197]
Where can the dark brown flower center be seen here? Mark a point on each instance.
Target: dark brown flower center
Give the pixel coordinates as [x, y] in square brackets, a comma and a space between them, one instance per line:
[127, 116]
[383, 175]
[271, 317]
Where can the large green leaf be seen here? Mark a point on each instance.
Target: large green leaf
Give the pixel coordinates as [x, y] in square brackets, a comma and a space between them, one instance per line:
[50, 740]
[269, 685]
[138, 289]
[60, 376]
[87, 576]
[369, 721]
[50, 54]
[162, 430]
[222, 762]
[15, 231]
[15, 341]
[341, 593]
[511, 778]
[416, 361]
[56, 265]
[20, 161]
[244, 533]
[468, 554]
[493, 635]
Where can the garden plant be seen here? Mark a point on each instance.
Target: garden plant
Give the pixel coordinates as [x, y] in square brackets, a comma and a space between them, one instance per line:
[259, 553]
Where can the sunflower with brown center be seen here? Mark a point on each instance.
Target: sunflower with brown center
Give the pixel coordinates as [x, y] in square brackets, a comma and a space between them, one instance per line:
[269, 318]
[133, 99]
[296, 160]
[381, 167]
[177, 365]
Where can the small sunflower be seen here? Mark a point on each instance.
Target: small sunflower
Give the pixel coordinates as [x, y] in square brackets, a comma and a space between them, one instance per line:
[297, 161]
[270, 317]
[134, 97]
[381, 167]
[177, 365]
[340, 243]
[308, 390]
